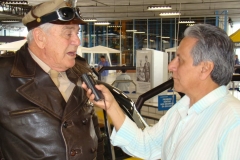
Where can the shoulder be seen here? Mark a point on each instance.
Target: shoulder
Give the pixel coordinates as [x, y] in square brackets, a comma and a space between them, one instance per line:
[230, 106]
[81, 64]
[7, 54]
[128, 76]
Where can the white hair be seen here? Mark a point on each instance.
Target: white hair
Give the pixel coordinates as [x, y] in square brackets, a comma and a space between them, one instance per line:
[45, 27]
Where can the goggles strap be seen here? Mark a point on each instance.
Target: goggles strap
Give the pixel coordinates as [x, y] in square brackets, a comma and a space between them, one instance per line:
[41, 20]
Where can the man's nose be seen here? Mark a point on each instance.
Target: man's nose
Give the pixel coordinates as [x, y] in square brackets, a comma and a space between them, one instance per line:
[172, 66]
[76, 40]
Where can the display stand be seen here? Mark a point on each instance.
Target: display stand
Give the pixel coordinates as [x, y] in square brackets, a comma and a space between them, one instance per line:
[151, 70]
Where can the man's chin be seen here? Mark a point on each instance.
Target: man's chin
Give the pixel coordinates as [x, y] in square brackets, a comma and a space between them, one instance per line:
[177, 89]
[71, 63]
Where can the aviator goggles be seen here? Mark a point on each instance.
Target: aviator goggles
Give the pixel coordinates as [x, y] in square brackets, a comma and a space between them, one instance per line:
[62, 14]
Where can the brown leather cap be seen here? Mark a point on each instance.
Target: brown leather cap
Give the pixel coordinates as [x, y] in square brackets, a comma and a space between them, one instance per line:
[45, 13]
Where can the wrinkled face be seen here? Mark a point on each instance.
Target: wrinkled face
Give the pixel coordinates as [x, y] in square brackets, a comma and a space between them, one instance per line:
[61, 46]
[185, 74]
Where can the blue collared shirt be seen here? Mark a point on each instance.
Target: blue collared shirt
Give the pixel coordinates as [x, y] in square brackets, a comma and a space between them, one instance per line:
[105, 72]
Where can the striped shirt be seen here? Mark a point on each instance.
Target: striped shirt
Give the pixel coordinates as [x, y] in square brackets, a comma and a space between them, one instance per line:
[209, 130]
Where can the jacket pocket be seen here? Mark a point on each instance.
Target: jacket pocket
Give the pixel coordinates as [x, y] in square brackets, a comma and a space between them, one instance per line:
[25, 111]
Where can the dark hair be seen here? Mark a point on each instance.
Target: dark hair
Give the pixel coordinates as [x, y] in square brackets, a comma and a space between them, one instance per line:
[123, 70]
[102, 56]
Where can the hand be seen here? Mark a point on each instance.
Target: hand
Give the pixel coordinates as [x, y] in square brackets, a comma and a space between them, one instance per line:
[108, 97]
[112, 108]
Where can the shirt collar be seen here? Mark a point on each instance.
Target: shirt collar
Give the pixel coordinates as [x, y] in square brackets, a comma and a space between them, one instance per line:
[202, 104]
[43, 65]
[209, 99]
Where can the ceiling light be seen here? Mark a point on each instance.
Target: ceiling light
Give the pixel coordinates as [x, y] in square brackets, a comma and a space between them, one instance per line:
[131, 30]
[10, 20]
[114, 26]
[190, 24]
[186, 22]
[102, 23]
[170, 14]
[150, 40]
[89, 20]
[138, 32]
[162, 37]
[17, 2]
[153, 8]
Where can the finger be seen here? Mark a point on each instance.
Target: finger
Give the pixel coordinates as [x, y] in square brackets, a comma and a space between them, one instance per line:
[84, 86]
[91, 97]
[88, 92]
[101, 88]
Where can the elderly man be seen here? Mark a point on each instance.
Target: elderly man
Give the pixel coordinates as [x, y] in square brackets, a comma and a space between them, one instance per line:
[205, 123]
[43, 116]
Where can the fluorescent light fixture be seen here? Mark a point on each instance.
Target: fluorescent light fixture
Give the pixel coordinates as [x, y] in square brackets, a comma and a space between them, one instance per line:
[102, 23]
[114, 26]
[89, 20]
[133, 30]
[170, 14]
[162, 37]
[138, 32]
[17, 2]
[186, 22]
[154, 8]
[10, 20]
[190, 24]
[150, 40]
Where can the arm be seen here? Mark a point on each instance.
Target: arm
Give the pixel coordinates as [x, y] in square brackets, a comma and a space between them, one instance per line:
[230, 144]
[145, 144]
[98, 66]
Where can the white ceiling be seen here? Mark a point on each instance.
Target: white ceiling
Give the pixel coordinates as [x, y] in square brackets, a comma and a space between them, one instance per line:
[105, 10]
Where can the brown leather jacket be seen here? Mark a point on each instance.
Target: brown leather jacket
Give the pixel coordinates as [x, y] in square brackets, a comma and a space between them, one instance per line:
[36, 122]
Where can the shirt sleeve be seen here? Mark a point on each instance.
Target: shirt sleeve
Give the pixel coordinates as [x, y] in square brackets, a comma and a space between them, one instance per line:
[144, 144]
[229, 147]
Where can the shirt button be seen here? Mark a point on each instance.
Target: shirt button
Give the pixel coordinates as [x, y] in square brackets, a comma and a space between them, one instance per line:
[65, 124]
[84, 121]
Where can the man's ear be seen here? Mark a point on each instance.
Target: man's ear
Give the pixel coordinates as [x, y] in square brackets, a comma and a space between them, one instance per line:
[39, 37]
[206, 69]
